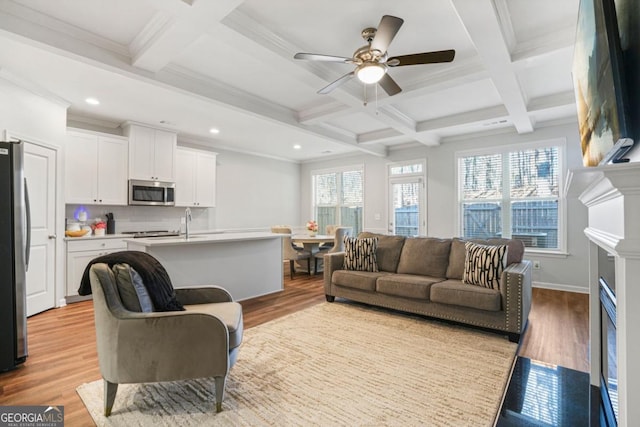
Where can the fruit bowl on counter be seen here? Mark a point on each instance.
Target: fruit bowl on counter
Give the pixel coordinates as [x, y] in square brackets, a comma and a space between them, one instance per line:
[77, 233]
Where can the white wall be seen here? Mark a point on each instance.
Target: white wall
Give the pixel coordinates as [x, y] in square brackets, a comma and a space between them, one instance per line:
[567, 272]
[256, 191]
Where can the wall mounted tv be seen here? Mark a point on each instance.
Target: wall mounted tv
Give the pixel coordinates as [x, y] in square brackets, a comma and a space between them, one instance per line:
[599, 85]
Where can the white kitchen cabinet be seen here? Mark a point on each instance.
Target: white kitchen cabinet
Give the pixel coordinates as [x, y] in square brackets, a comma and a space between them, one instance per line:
[152, 153]
[96, 168]
[80, 252]
[195, 178]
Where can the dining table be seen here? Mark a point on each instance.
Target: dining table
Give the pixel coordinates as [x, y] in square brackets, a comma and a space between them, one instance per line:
[312, 243]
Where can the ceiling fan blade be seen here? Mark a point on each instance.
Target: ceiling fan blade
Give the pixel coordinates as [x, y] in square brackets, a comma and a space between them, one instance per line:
[422, 58]
[326, 58]
[325, 90]
[389, 85]
[387, 30]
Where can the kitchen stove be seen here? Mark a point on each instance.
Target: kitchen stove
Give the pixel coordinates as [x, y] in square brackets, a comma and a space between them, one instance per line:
[151, 233]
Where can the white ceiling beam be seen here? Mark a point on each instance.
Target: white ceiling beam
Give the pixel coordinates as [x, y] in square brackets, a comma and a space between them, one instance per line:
[165, 36]
[484, 115]
[481, 21]
[322, 113]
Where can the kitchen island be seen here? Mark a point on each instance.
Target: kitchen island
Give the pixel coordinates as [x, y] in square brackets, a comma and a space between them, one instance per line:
[246, 264]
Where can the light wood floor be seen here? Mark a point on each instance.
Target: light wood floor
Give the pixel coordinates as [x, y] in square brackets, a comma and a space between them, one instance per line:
[62, 349]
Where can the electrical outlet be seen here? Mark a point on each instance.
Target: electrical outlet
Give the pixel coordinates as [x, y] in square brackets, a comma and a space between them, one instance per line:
[536, 265]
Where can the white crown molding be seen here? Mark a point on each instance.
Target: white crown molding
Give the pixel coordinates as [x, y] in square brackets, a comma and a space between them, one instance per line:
[504, 16]
[531, 51]
[156, 25]
[93, 121]
[33, 88]
[38, 26]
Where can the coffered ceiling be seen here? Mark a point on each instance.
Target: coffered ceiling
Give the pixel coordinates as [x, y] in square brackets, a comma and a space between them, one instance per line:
[193, 65]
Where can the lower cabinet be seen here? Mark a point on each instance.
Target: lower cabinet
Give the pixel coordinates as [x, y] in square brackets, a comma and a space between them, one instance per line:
[79, 253]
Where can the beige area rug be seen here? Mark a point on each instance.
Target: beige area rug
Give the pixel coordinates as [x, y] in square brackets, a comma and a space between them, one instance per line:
[334, 364]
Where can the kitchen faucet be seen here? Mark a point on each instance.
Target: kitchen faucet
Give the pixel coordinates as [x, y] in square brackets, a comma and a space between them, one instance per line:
[187, 220]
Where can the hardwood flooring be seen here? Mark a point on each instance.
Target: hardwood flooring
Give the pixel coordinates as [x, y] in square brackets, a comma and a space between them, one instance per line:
[62, 346]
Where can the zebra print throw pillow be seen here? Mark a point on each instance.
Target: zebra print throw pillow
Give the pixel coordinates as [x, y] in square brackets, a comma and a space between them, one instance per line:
[360, 254]
[483, 264]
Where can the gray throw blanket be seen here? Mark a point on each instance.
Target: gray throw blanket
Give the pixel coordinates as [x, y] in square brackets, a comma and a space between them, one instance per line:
[154, 276]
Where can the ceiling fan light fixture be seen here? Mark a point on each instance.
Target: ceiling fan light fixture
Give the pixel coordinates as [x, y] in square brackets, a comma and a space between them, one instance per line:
[370, 72]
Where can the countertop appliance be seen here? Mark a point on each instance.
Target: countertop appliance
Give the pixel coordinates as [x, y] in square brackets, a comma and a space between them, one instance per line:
[15, 238]
[152, 193]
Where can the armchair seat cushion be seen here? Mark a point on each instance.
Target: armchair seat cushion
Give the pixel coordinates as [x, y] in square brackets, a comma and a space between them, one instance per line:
[229, 312]
[454, 292]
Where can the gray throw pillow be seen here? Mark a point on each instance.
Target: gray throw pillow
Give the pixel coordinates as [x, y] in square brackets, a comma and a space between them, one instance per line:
[133, 293]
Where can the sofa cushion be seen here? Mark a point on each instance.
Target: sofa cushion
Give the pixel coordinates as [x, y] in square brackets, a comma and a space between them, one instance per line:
[364, 280]
[454, 292]
[230, 313]
[388, 252]
[484, 264]
[133, 293]
[425, 256]
[360, 253]
[406, 285]
[455, 269]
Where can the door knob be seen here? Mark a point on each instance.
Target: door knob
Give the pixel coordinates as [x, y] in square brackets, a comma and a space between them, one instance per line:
[52, 236]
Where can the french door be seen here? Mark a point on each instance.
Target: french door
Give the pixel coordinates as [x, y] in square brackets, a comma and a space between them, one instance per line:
[407, 202]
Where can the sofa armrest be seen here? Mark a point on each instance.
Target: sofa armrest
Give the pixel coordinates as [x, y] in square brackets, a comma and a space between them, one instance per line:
[202, 295]
[332, 262]
[516, 295]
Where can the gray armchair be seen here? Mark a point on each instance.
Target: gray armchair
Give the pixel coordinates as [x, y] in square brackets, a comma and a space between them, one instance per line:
[137, 347]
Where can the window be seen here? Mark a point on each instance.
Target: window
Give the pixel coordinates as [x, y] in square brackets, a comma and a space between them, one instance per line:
[338, 198]
[514, 194]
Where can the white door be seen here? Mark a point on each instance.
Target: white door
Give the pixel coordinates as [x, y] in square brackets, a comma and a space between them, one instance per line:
[40, 172]
[407, 216]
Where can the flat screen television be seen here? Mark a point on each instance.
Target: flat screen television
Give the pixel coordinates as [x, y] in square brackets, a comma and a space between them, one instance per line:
[598, 76]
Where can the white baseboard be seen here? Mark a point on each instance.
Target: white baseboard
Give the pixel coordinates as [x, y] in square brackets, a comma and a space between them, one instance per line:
[560, 287]
[62, 302]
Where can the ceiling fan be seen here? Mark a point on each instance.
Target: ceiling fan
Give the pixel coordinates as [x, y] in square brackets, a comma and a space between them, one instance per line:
[372, 61]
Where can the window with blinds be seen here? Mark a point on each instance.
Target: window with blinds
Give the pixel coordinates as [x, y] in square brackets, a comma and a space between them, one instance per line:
[512, 194]
[338, 198]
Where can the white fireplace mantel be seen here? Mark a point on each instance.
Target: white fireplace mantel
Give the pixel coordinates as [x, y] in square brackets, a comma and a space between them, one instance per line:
[612, 196]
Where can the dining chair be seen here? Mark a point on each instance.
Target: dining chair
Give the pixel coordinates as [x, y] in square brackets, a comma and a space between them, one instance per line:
[290, 252]
[329, 230]
[338, 245]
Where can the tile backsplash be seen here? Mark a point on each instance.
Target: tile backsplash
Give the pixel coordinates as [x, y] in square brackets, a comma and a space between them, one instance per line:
[144, 218]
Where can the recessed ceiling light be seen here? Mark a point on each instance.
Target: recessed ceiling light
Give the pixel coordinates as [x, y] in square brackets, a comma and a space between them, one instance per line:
[297, 146]
[214, 131]
[92, 101]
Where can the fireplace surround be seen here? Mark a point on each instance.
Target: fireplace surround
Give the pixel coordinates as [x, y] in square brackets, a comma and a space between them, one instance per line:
[611, 194]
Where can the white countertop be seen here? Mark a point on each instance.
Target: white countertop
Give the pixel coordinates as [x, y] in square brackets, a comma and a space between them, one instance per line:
[201, 239]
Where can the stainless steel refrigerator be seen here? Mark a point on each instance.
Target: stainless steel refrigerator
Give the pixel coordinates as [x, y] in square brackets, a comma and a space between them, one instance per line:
[14, 255]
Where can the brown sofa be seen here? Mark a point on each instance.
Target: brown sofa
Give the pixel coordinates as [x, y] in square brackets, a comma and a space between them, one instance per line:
[423, 275]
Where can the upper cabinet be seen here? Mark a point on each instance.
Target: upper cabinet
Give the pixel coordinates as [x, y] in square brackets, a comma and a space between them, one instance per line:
[95, 168]
[152, 153]
[195, 178]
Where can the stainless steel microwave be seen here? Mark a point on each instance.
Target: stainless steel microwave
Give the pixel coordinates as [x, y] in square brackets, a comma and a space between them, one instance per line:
[152, 193]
